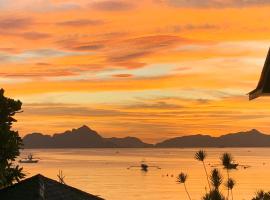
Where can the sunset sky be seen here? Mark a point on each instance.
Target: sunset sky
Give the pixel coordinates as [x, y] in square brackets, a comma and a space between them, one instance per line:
[153, 69]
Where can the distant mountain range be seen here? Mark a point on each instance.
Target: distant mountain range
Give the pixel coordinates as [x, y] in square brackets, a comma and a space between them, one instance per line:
[252, 138]
[84, 137]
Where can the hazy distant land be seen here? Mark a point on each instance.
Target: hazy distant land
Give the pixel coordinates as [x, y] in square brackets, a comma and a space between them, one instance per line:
[84, 137]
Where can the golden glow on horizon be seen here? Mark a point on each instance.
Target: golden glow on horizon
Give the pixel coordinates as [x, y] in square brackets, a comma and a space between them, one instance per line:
[151, 69]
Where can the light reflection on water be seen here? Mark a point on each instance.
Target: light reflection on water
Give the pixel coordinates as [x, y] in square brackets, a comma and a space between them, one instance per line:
[104, 171]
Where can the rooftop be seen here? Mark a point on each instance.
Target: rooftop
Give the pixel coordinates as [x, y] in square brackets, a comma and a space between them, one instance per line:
[263, 87]
[42, 188]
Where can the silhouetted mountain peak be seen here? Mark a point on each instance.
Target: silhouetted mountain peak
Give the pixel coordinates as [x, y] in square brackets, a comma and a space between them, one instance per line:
[251, 138]
[81, 131]
[83, 137]
[128, 142]
[255, 131]
[252, 132]
[84, 128]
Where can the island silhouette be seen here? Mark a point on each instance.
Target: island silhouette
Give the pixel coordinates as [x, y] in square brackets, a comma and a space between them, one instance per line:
[85, 137]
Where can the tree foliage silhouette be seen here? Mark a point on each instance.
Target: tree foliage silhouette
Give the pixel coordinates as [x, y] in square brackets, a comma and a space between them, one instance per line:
[10, 141]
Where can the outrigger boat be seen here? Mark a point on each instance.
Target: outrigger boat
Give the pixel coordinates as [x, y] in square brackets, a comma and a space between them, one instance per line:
[234, 166]
[29, 159]
[144, 167]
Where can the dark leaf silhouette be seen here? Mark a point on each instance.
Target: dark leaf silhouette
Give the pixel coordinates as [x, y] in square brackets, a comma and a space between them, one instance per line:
[10, 141]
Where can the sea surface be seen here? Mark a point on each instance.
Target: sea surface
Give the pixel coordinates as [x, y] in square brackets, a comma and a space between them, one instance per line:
[105, 172]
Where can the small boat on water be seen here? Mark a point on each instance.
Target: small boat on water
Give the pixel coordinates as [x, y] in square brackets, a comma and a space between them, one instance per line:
[29, 159]
[144, 167]
[233, 166]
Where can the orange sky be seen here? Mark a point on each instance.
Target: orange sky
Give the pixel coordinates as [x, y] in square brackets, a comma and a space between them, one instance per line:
[153, 69]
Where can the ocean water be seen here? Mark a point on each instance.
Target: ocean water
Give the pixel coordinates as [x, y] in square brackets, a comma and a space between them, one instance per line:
[105, 172]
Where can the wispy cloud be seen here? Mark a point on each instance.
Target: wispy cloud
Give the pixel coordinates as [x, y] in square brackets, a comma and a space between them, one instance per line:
[80, 45]
[35, 35]
[160, 105]
[81, 22]
[122, 75]
[215, 3]
[136, 48]
[114, 5]
[12, 23]
[67, 110]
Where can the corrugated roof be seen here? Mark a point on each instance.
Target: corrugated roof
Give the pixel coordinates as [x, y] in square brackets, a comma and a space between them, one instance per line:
[42, 188]
[263, 87]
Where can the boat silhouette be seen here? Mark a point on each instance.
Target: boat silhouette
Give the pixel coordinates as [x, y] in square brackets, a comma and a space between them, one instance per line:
[144, 167]
[29, 159]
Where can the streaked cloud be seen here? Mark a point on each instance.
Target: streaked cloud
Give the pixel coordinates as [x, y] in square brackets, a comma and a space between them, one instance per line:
[122, 75]
[40, 6]
[80, 22]
[35, 54]
[112, 5]
[12, 23]
[68, 110]
[216, 3]
[187, 27]
[35, 35]
[136, 48]
[157, 105]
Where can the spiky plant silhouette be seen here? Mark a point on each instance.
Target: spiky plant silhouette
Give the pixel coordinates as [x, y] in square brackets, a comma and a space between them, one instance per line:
[200, 156]
[216, 181]
[61, 177]
[182, 177]
[214, 195]
[216, 178]
[261, 195]
[230, 183]
[227, 162]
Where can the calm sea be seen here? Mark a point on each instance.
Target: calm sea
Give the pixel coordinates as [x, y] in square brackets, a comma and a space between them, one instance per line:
[104, 171]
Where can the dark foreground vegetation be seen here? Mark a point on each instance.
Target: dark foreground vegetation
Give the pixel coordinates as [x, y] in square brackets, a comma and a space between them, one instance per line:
[216, 179]
[10, 141]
